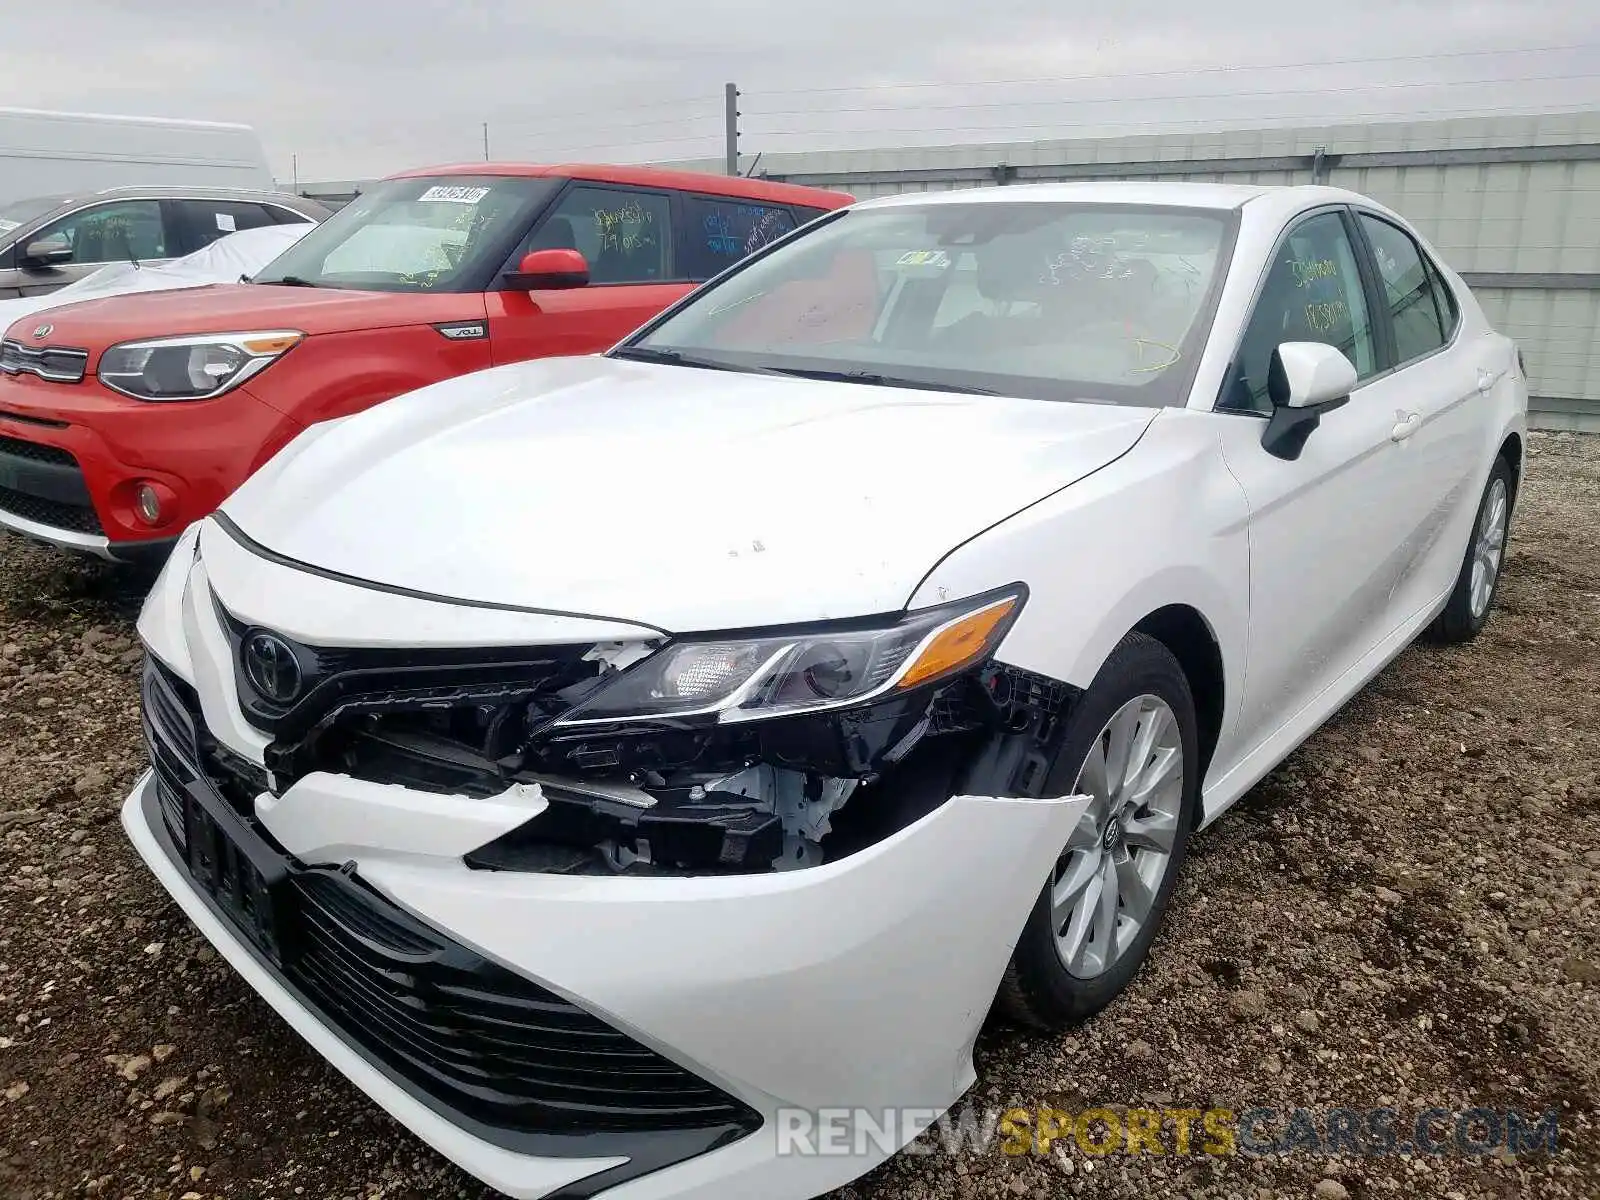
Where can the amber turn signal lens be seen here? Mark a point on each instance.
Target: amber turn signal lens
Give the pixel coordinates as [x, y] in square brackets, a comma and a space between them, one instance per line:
[959, 644]
[272, 345]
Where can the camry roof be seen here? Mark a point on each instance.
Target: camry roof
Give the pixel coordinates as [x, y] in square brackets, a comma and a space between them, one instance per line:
[1183, 195]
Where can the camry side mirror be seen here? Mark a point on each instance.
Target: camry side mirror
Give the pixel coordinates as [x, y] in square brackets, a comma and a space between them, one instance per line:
[1304, 380]
[548, 270]
[47, 252]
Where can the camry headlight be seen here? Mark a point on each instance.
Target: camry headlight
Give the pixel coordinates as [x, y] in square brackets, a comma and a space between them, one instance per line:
[196, 367]
[831, 666]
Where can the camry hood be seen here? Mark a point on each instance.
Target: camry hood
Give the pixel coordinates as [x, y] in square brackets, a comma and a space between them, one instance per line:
[676, 497]
[241, 307]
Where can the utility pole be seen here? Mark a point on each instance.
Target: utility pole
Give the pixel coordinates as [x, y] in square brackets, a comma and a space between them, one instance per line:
[486, 141]
[294, 167]
[731, 113]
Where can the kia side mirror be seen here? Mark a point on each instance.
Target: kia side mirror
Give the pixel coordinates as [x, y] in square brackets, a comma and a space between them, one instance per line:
[548, 270]
[1304, 380]
[47, 252]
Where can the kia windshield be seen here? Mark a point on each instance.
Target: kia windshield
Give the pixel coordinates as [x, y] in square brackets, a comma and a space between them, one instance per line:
[447, 233]
[1054, 301]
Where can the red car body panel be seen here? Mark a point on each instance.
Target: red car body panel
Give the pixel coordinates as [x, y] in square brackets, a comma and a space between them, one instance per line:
[359, 348]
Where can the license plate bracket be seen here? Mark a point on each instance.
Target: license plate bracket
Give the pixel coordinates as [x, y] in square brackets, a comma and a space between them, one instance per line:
[244, 876]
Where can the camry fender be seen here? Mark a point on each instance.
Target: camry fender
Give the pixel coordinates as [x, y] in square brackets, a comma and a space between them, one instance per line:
[1166, 524]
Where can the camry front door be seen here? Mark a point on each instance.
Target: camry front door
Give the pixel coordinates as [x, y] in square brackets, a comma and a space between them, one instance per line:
[1325, 526]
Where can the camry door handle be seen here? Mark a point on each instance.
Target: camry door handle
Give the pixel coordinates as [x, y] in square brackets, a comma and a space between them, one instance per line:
[1407, 424]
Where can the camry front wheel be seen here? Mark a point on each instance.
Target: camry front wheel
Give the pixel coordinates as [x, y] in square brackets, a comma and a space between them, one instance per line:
[1131, 746]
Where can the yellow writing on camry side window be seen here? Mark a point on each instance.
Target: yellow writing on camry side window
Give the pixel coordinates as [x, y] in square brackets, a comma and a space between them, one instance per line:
[1308, 270]
[1327, 316]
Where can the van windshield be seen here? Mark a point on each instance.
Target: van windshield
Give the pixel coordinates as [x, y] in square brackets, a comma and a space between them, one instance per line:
[1045, 300]
[442, 233]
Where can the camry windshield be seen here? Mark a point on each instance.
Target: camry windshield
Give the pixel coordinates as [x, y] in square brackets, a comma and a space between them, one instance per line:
[1055, 301]
[438, 234]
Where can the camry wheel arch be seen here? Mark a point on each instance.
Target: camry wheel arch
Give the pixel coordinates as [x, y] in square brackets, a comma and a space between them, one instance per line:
[1184, 630]
[1511, 449]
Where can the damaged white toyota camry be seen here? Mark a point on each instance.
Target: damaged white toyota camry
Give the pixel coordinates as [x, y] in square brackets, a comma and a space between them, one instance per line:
[611, 763]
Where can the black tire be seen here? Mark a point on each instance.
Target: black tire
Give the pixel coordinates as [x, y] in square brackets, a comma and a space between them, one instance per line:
[1457, 623]
[1037, 989]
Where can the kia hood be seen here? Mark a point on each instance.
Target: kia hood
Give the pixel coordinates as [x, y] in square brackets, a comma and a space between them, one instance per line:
[680, 498]
[242, 308]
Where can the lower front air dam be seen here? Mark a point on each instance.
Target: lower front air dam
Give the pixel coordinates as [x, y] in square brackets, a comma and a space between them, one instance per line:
[857, 985]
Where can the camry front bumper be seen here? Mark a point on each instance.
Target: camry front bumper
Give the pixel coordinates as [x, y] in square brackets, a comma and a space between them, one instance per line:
[476, 1006]
[859, 984]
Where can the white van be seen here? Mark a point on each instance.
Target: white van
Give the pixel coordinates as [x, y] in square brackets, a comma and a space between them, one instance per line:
[53, 153]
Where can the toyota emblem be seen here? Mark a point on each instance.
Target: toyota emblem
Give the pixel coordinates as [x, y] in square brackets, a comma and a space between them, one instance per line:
[43, 331]
[271, 667]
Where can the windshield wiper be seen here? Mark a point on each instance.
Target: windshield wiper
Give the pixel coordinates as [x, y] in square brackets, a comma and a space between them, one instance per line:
[875, 379]
[677, 358]
[289, 281]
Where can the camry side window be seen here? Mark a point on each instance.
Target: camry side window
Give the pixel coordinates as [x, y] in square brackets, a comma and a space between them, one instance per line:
[622, 234]
[1421, 317]
[117, 232]
[1312, 293]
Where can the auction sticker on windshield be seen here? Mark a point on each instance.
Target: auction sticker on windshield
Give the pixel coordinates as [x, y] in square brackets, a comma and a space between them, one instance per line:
[455, 195]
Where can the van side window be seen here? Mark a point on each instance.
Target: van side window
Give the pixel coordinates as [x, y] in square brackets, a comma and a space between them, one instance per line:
[1312, 293]
[623, 234]
[115, 232]
[719, 231]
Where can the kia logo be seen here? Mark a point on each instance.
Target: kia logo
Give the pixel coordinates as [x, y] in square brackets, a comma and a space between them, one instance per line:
[44, 331]
[271, 667]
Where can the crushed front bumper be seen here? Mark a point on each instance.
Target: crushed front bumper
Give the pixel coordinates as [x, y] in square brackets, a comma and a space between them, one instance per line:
[860, 984]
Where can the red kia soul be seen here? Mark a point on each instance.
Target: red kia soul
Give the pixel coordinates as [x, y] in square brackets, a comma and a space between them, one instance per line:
[122, 420]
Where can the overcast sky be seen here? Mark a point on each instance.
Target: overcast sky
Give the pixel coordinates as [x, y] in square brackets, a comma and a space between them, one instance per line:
[359, 88]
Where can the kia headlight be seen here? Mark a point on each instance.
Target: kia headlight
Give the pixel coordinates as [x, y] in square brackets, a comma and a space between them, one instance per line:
[733, 679]
[196, 367]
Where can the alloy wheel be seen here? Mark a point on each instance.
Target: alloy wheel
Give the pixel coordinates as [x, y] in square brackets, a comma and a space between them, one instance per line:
[1104, 889]
[1488, 547]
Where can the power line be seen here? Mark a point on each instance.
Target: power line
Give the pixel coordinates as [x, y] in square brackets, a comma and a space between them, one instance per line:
[569, 151]
[1371, 87]
[1300, 66]
[552, 121]
[611, 124]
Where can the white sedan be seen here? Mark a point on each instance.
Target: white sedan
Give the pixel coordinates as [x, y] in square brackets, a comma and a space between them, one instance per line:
[225, 260]
[621, 766]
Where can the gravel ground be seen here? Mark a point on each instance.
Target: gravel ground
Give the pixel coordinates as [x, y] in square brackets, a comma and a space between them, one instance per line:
[1405, 914]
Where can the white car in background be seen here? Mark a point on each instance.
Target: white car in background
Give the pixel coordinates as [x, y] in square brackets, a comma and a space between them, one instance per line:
[225, 260]
[602, 760]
